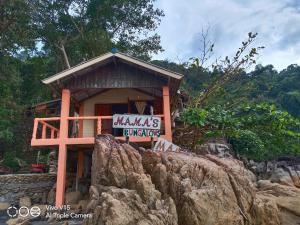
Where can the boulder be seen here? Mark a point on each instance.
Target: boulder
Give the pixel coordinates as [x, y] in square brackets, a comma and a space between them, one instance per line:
[4, 206]
[72, 197]
[282, 176]
[18, 221]
[25, 201]
[125, 207]
[82, 205]
[43, 209]
[220, 149]
[286, 172]
[113, 162]
[205, 190]
[183, 188]
[283, 201]
[51, 195]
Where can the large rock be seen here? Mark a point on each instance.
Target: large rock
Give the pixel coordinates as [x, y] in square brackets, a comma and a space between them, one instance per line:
[113, 163]
[4, 206]
[206, 190]
[73, 197]
[122, 206]
[284, 171]
[283, 201]
[182, 188]
[18, 221]
[222, 150]
[25, 201]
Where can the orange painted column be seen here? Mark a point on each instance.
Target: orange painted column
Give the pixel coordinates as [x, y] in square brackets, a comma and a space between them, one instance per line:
[62, 154]
[80, 163]
[167, 113]
[81, 113]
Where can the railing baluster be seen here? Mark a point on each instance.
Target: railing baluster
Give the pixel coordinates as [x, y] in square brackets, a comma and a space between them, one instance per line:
[99, 125]
[35, 128]
[44, 131]
[52, 133]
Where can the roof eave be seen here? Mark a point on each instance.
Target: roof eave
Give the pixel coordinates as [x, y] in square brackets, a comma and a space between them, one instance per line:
[124, 57]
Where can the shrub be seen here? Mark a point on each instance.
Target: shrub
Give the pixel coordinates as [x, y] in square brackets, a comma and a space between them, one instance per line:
[258, 131]
[11, 161]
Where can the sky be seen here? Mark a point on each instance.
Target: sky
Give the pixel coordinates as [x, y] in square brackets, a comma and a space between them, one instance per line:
[277, 23]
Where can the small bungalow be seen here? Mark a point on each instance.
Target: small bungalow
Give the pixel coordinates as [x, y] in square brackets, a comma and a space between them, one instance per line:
[91, 94]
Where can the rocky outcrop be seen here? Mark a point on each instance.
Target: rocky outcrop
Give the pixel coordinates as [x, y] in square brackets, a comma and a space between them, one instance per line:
[276, 204]
[223, 150]
[286, 170]
[182, 188]
[121, 192]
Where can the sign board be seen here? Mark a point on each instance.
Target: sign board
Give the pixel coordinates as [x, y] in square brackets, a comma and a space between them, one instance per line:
[136, 122]
[141, 133]
[163, 145]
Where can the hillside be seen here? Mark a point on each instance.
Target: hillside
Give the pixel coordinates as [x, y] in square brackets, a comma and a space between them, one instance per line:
[263, 84]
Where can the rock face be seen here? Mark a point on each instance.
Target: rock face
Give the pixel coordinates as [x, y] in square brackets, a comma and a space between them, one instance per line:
[121, 191]
[182, 188]
[25, 201]
[285, 171]
[276, 201]
[72, 197]
[222, 150]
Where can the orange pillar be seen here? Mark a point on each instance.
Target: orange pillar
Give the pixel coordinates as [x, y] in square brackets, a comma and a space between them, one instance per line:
[167, 113]
[80, 164]
[81, 113]
[62, 154]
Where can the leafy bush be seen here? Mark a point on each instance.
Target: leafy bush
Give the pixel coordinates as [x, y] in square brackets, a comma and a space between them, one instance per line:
[248, 143]
[10, 160]
[258, 131]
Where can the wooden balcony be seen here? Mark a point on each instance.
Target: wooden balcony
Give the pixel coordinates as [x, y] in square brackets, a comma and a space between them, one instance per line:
[46, 131]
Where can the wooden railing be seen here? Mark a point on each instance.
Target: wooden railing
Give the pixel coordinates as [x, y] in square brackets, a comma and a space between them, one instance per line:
[54, 132]
[95, 118]
[52, 137]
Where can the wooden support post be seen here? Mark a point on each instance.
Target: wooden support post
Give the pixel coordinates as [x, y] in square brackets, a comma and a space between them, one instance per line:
[35, 126]
[80, 164]
[167, 113]
[44, 131]
[62, 154]
[52, 133]
[99, 125]
[81, 113]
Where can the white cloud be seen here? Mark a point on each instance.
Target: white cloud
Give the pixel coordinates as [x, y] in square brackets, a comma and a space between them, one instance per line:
[276, 21]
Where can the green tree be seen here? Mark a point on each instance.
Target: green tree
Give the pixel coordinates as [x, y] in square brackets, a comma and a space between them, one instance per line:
[75, 30]
[41, 37]
[10, 109]
[15, 23]
[258, 131]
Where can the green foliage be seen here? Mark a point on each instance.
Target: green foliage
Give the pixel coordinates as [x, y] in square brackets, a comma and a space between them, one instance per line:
[248, 143]
[76, 30]
[39, 38]
[258, 131]
[14, 26]
[10, 160]
[9, 95]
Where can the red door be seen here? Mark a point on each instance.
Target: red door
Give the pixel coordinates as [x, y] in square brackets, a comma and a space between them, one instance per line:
[104, 110]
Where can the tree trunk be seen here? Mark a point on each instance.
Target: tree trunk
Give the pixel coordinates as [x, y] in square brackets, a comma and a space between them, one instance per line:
[62, 48]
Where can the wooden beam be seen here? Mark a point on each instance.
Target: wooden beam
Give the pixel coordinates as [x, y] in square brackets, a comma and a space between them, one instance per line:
[80, 123]
[62, 154]
[167, 113]
[80, 164]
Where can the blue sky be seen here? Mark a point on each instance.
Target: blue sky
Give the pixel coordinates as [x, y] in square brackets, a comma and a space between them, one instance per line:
[277, 23]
